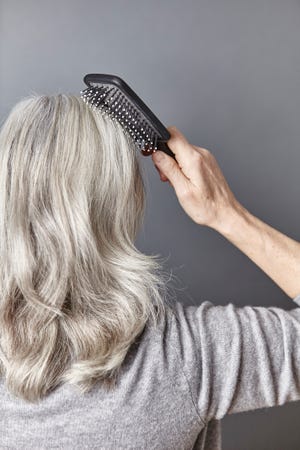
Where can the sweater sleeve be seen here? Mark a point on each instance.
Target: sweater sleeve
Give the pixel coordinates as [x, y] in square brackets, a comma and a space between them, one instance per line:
[238, 359]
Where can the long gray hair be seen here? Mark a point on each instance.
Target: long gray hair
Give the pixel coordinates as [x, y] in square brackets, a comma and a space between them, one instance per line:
[75, 292]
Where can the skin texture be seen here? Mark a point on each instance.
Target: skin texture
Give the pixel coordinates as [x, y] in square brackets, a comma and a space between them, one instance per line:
[198, 181]
[206, 197]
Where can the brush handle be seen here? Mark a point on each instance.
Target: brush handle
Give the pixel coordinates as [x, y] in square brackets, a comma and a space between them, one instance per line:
[161, 145]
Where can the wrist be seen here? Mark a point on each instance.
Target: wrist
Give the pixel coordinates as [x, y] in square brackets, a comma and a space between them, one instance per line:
[234, 222]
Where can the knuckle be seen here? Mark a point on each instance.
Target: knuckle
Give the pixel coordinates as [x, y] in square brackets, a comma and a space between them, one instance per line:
[204, 151]
[185, 194]
[197, 157]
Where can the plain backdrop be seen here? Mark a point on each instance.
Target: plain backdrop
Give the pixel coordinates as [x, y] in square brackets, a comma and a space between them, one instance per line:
[227, 74]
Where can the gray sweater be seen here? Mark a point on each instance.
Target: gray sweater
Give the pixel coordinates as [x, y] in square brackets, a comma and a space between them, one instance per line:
[177, 383]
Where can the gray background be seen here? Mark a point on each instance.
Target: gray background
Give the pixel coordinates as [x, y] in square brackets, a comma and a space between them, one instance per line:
[227, 74]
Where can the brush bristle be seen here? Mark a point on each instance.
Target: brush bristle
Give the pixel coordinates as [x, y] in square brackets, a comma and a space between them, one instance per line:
[111, 101]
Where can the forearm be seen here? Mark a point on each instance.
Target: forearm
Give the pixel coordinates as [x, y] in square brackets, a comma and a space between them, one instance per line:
[275, 253]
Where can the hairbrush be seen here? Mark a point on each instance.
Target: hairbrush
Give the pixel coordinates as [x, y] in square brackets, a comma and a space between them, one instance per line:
[113, 97]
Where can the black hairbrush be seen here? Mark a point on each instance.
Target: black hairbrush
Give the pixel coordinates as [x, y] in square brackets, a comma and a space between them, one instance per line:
[111, 95]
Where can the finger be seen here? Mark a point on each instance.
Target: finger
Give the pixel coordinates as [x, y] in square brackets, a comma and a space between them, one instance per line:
[161, 175]
[169, 167]
[183, 150]
[187, 155]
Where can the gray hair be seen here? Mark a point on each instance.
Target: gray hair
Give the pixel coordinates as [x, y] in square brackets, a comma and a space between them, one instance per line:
[75, 292]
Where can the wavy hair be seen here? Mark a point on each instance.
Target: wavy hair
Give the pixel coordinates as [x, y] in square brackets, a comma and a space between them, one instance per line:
[75, 292]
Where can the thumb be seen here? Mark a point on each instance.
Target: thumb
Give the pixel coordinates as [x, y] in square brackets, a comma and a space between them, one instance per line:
[170, 168]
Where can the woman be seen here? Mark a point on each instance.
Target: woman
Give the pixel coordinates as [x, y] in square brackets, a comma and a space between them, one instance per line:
[81, 307]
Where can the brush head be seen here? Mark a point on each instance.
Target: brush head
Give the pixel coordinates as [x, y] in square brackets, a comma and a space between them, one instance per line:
[115, 99]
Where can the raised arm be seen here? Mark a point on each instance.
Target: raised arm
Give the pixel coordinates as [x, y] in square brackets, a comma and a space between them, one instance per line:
[206, 197]
[235, 358]
[275, 253]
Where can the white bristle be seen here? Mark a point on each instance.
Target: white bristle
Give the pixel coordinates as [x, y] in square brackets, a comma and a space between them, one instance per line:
[112, 103]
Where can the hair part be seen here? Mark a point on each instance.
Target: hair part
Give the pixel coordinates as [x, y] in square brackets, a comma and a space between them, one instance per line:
[75, 292]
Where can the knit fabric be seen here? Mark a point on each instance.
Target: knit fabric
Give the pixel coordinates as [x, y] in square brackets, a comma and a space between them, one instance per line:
[176, 384]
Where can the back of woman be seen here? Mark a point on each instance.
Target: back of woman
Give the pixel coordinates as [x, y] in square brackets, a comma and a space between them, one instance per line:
[95, 350]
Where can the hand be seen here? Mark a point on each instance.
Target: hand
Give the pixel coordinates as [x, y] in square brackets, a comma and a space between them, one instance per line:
[197, 179]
